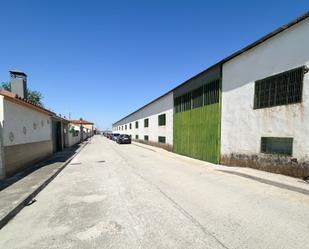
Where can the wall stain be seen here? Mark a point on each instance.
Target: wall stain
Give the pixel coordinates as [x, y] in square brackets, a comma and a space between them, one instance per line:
[271, 163]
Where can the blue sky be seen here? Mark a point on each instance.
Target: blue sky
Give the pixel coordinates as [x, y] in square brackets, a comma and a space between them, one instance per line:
[101, 60]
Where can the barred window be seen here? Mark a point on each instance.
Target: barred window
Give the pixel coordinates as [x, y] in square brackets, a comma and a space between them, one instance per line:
[186, 102]
[211, 92]
[197, 97]
[277, 145]
[161, 139]
[281, 89]
[146, 122]
[204, 95]
[162, 120]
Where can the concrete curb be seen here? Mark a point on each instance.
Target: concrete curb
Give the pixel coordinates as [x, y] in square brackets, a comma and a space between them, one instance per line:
[27, 199]
[227, 170]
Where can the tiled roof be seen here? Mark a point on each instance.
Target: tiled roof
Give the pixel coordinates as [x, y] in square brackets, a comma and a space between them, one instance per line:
[21, 101]
[80, 121]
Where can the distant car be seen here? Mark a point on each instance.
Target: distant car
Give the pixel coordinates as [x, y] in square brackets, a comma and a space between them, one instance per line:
[115, 136]
[124, 139]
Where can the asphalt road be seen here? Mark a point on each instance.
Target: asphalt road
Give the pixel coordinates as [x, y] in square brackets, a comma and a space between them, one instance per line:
[125, 196]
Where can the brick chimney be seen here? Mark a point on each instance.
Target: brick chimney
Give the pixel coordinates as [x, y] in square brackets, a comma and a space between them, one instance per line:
[19, 83]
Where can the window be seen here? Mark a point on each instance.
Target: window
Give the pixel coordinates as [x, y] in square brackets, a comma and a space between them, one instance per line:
[197, 97]
[205, 95]
[162, 119]
[186, 102]
[161, 140]
[281, 89]
[130, 126]
[122, 128]
[136, 136]
[277, 145]
[146, 138]
[125, 127]
[211, 92]
[146, 122]
[136, 125]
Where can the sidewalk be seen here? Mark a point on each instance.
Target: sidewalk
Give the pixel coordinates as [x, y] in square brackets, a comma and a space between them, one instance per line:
[277, 180]
[20, 189]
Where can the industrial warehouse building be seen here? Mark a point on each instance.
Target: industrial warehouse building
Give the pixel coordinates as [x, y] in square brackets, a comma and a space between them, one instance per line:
[152, 123]
[250, 109]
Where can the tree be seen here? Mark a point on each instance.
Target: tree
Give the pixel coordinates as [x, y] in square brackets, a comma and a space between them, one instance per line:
[6, 86]
[34, 96]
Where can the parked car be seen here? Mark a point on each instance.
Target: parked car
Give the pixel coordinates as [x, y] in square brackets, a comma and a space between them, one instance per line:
[124, 139]
[115, 136]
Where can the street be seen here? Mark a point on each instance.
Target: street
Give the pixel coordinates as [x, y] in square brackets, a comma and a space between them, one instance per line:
[129, 196]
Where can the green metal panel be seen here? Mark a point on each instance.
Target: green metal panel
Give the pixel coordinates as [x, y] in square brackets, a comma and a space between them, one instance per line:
[197, 133]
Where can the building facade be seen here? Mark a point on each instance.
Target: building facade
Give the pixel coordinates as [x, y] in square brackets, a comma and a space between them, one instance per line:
[250, 109]
[265, 104]
[151, 124]
[30, 133]
[80, 128]
[25, 133]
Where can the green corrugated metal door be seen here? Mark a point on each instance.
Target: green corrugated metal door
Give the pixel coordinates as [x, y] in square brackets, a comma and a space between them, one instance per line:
[197, 130]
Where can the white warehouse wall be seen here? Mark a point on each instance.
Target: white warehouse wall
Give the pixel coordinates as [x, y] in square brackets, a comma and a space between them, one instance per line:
[151, 111]
[242, 127]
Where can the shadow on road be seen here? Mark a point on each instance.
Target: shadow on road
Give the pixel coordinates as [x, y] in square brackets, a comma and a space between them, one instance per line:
[57, 157]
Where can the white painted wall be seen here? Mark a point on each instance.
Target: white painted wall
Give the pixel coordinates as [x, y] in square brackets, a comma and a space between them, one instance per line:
[2, 169]
[242, 126]
[152, 111]
[72, 140]
[16, 117]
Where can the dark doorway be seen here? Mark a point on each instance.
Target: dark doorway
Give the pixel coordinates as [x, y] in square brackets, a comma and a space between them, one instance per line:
[57, 135]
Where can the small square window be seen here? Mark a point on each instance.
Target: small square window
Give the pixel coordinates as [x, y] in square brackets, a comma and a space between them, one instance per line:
[146, 138]
[136, 136]
[161, 140]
